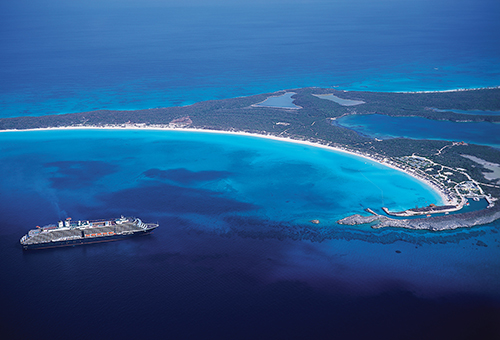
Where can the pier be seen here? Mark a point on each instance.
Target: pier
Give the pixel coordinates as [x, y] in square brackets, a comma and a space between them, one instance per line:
[431, 209]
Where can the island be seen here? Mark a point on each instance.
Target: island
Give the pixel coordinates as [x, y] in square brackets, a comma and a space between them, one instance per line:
[458, 171]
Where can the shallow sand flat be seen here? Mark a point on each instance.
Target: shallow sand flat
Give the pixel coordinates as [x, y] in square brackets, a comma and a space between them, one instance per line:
[491, 176]
[338, 100]
[283, 101]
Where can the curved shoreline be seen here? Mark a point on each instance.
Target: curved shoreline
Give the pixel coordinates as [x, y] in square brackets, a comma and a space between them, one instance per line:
[429, 184]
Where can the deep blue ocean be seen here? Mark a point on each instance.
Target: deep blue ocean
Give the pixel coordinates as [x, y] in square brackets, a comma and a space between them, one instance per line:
[59, 56]
[235, 256]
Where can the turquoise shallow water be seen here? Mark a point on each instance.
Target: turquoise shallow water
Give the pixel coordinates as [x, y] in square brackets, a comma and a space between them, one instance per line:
[280, 181]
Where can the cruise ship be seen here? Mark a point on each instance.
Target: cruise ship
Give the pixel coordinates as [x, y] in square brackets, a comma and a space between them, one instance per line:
[68, 232]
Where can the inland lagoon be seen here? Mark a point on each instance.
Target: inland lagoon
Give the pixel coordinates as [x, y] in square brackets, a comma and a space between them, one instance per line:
[382, 127]
[284, 101]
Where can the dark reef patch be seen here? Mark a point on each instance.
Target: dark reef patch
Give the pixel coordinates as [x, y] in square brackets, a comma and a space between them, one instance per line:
[350, 170]
[257, 228]
[78, 174]
[481, 243]
[166, 198]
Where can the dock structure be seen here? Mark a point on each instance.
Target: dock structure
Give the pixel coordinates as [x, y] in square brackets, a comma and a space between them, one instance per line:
[431, 209]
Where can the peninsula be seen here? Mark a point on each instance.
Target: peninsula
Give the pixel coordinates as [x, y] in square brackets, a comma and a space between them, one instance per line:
[457, 170]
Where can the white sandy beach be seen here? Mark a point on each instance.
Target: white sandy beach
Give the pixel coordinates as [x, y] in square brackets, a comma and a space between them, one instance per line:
[441, 194]
[452, 90]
